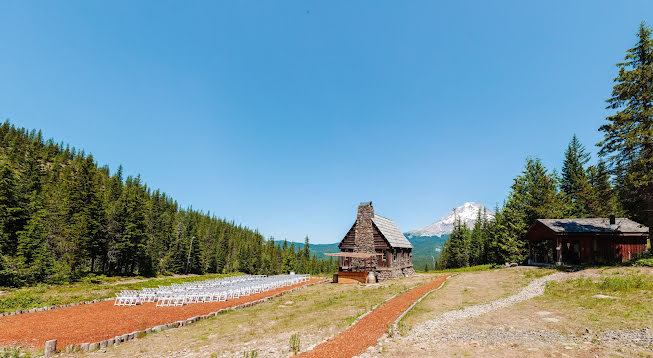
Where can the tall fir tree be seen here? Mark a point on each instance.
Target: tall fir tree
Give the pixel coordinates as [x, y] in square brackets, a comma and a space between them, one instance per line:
[456, 250]
[601, 200]
[573, 181]
[628, 137]
[12, 214]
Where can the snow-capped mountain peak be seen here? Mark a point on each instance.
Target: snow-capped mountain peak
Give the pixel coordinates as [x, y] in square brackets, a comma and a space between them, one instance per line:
[467, 213]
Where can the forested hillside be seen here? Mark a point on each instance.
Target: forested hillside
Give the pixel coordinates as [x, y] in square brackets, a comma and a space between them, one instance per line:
[63, 217]
[620, 183]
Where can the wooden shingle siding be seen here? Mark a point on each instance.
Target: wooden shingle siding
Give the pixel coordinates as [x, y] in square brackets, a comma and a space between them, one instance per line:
[380, 242]
[348, 242]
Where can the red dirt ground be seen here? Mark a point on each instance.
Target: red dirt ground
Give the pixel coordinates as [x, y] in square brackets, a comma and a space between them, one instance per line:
[99, 321]
[365, 333]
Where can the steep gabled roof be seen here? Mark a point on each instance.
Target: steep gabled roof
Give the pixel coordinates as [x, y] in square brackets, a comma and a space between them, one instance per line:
[593, 225]
[391, 232]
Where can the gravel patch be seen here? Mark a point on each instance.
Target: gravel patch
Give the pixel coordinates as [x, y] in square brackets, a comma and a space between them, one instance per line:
[534, 289]
[445, 335]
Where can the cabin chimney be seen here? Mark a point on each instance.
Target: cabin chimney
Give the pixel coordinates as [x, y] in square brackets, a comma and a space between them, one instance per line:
[613, 220]
[364, 233]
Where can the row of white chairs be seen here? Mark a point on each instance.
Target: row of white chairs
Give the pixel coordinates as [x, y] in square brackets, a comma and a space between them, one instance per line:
[227, 292]
[128, 298]
[214, 290]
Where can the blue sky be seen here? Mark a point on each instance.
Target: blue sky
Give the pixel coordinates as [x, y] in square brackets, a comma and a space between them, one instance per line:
[284, 115]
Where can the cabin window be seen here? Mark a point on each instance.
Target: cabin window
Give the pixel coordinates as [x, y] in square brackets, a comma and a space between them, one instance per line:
[594, 245]
[385, 257]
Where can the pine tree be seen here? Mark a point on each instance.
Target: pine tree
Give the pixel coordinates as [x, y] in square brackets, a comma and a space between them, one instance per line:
[507, 230]
[12, 214]
[628, 141]
[34, 249]
[476, 243]
[457, 246]
[573, 182]
[533, 196]
[601, 200]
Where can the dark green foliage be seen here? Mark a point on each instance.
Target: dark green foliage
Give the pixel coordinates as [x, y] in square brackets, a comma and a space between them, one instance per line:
[62, 218]
[601, 200]
[628, 141]
[573, 182]
[456, 251]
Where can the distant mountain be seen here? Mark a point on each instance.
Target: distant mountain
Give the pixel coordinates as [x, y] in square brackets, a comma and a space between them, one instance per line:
[466, 212]
[426, 249]
[318, 249]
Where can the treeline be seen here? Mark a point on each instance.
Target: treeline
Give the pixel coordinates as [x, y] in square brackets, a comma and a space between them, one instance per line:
[62, 217]
[620, 183]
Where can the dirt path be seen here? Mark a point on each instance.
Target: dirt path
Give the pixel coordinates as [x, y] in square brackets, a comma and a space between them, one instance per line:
[100, 321]
[366, 332]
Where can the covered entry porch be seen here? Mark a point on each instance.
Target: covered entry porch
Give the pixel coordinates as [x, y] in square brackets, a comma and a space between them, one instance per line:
[354, 266]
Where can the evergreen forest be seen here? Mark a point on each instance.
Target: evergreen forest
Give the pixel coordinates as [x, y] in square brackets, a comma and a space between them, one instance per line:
[63, 217]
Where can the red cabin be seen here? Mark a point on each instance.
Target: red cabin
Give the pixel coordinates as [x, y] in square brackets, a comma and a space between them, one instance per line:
[588, 240]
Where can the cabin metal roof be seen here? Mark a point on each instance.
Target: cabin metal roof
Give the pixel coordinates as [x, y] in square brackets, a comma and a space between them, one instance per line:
[391, 232]
[593, 225]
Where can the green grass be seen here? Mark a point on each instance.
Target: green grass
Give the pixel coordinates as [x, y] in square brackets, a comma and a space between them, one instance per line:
[87, 290]
[469, 269]
[632, 306]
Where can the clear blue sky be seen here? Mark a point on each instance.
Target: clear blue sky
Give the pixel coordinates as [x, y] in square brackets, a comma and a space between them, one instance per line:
[283, 116]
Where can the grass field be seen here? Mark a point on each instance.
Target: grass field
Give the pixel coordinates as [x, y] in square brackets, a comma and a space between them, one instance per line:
[576, 303]
[49, 295]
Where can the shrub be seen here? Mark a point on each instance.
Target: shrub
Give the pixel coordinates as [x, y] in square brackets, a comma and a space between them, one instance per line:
[12, 352]
[644, 262]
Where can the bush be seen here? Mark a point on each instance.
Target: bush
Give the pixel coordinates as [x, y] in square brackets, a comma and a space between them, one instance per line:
[644, 262]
